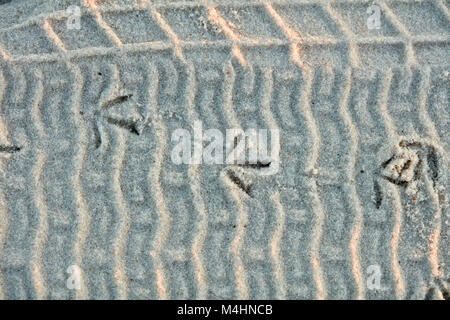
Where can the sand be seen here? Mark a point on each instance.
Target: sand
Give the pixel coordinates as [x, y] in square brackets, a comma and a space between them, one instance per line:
[92, 207]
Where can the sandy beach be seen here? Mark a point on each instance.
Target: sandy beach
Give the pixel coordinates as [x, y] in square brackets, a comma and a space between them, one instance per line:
[93, 206]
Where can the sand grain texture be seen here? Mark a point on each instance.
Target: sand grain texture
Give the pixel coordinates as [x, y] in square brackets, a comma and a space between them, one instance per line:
[86, 176]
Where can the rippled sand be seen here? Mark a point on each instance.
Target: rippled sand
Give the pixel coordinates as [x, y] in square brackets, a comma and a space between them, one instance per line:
[92, 206]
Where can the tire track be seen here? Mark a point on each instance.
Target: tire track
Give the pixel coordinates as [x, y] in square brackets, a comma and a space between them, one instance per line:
[215, 17]
[275, 243]
[240, 273]
[444, 9]
[212, 90]
[79, 159]
[169, 32]
[356, 207]
[252, 96]
[53, 37]
[353, 52]
[410, 56]
[15, 262]
[241, 214]
[134, 175]
[294, 192]
[3, 126]
[366, 96]
[434, 239]
[294, 38]
[97, 179]
[91, 6]
[120, 273]
[4, 56]
[396, 268]
[39, 197]
[122, 234]
[56, 117]
[332, 183]
[195, 177]
[80, 154]
[295, 41]
[421, 225]
[317, 206]
[437, 97]
[237, 243]
[155, 183]
[177, 256]
[4, 223]
[209, 91]
[398, 218]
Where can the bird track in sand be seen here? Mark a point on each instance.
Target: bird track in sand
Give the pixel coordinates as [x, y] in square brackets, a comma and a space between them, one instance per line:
[141, 227]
